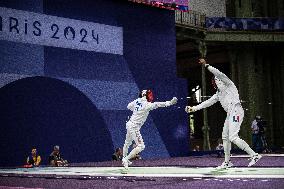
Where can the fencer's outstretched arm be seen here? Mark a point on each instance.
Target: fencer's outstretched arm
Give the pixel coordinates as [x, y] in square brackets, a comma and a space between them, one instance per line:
[204, 104]
[207, 103]
[156, 105]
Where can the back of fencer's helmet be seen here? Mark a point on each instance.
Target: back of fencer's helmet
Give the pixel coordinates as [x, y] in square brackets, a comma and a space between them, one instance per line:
[148, 93]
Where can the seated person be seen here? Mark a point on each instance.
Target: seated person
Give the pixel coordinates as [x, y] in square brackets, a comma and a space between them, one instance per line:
[55, 158]
[196, 148]
[117, 156]
[34, 159]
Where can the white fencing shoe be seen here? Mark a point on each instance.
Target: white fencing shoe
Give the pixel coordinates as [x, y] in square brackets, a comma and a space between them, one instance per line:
[129, 162]
[225, 165]
[254, 159]
[125, 163]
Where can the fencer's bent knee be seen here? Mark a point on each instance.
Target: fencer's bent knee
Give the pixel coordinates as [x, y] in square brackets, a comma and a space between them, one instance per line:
[233, 138]
[127, 143]
[141, 147]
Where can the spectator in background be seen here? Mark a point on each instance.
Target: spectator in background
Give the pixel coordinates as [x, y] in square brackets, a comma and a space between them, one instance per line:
[196, 148]
[55, 159]
[117, 156]
[34, 159]
[256, 140]
[220, 148]
[262, 125]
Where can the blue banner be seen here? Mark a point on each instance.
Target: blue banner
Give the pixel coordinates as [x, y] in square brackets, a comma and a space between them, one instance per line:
[226, 23]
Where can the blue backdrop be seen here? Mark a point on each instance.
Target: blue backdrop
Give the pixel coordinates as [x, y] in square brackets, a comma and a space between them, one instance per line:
[77, 99]
[253, 24]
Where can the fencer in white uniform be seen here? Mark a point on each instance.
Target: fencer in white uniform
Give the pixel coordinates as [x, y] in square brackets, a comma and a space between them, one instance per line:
[140, 108]
[227, 94]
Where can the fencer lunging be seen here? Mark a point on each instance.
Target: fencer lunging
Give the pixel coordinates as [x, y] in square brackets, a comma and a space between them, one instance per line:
[227, 94]
[140, 108]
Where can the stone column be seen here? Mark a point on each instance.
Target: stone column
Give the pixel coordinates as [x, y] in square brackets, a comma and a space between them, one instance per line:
[205, 128]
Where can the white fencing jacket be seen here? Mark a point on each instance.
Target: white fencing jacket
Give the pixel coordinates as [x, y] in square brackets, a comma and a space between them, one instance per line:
[141, 108]
[227, 92]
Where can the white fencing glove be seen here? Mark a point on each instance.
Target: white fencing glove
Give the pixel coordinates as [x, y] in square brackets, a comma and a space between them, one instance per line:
[189, 109]
[174, 100]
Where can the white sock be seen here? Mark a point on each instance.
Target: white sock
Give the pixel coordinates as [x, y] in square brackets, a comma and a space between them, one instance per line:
[244, 146]
[227, 150]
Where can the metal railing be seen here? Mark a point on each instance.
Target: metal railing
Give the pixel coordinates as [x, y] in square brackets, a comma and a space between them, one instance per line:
[190, 18]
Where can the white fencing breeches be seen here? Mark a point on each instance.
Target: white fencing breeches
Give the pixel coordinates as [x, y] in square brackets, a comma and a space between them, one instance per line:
[231, 129]
[233, 123]
[133, 134]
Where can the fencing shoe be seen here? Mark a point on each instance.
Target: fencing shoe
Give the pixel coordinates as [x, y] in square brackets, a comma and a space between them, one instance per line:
[125, 163]
[254, 159]
[225, 165]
